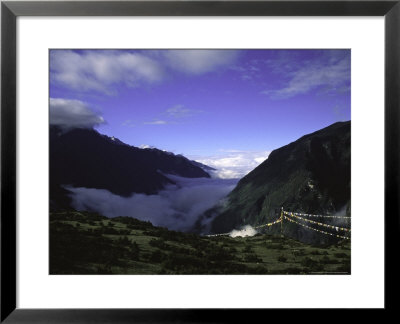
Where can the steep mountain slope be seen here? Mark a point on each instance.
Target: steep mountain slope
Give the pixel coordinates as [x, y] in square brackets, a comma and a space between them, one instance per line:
[85, 158]
[310, 175]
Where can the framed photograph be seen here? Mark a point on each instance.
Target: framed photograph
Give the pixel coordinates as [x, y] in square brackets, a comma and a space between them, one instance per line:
[161, 159]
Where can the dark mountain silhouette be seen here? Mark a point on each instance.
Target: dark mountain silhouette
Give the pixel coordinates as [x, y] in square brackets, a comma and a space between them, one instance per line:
[203, 166]
[310, 175]
[86, 158]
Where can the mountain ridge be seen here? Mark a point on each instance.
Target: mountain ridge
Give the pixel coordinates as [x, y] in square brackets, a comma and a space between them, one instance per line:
[86, 158]
[311, 175]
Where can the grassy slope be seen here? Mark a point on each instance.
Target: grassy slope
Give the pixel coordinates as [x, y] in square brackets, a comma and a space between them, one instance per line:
[87, 243]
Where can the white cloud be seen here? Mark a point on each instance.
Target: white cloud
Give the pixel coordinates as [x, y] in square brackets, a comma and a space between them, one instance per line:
[248, 71]
[177, 207]
[128, 123]
[69, 113]
[180, 111]
[333, 75]
[156, 122]
[234, 163]
[102, 70]
[171, 115]
[199, 61]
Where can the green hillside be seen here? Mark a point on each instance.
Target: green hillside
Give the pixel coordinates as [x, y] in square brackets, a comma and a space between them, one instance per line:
[87, 243]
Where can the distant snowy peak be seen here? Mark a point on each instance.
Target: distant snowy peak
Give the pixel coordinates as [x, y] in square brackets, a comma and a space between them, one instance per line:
[146, 147]
[115, 140]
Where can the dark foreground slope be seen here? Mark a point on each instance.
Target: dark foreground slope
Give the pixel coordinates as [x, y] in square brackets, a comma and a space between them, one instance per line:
[85, 158]
[87, 243]
[310, 175]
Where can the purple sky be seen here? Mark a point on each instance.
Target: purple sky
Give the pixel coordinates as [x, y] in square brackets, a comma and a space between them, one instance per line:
[201, 103]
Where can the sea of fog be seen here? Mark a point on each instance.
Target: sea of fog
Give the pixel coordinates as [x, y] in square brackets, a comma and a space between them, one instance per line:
[178, 207]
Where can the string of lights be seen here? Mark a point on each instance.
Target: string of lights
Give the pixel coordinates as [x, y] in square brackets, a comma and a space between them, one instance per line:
[337, 228]
[270, 224]
[315, 229]
[319, 216]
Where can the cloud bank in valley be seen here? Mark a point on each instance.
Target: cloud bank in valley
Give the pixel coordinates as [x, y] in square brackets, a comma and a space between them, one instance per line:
[180, 206]
[177, 207]
[233, 163]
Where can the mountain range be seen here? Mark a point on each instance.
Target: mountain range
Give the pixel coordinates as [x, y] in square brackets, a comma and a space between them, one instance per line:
[86, 158]
[310, 175]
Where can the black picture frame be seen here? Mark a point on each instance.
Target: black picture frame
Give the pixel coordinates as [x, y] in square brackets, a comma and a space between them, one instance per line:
[10, 10]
